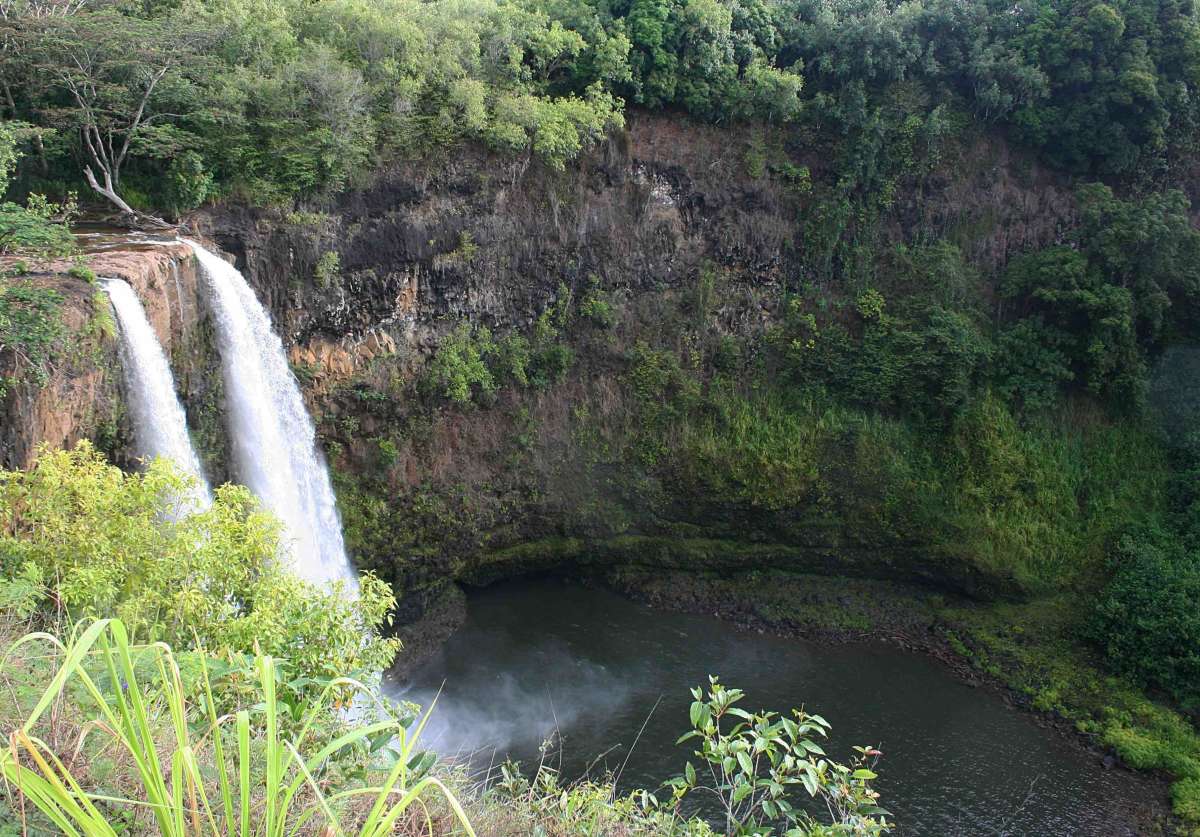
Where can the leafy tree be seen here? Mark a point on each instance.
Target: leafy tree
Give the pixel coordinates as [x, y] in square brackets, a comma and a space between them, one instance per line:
[39, 227]
[1072, 318]
[1147, 245]
[917, 346]
[14, 58]
[555, 129]
[1096, 87]
[928, 366]
[107, 74]
[1033, 365]
[188, 182]
[1121, 75]
[1092, 312]
[713, 59]
[309, 127]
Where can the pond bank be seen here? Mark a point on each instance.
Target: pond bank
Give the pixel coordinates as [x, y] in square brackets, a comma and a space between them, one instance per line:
[521, 640]
[1024, 652]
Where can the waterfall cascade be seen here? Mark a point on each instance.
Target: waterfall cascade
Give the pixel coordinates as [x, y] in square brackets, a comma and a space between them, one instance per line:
[158, 418]
[274, 441]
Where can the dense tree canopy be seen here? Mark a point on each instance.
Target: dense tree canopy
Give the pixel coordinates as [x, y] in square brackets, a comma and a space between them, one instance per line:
[278, 98]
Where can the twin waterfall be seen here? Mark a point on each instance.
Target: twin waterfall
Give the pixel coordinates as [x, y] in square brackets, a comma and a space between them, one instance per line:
[273, 439]
[158, 417]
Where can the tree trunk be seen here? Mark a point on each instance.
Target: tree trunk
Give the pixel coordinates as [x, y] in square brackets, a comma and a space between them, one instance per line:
[116, 200]
[40, 147]
[8, 99]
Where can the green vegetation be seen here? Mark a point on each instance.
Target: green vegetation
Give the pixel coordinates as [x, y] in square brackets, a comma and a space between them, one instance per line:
[184, 102]
[192, 767]
[470, 366]
[901, 403]
[1145, 620]
[31, 329]
[328, 267]
[38, 227]
[1037, 649]
[84, 537]
[758, 757]
[175, 751]
[241, 730]
[458, 370]
[994, 502]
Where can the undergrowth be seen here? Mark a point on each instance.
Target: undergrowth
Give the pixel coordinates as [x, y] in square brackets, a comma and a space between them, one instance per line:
[1035, 649]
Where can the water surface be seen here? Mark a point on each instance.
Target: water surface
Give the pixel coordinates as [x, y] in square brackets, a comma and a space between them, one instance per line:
[546, 658]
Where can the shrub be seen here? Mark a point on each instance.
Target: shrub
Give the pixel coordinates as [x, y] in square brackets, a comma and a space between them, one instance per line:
[926, 367]
[458, 369]
[187, 182]
[870, 304]
[39, 227]
[598, 309]
[389, 454]
[109, 544]
[1074, 318]
[551, 364]
[917, 346]
[752, 763]
[756, 759]
[34, 230]
[31, 328]
[82, 271]
[328, 267]
[1146, 620]
[513, 359]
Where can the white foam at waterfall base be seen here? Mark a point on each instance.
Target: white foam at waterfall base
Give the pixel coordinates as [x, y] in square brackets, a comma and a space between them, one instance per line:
[159, 422]
[273, 438]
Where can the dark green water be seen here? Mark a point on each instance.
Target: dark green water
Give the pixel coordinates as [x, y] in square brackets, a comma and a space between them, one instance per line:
[536, 657]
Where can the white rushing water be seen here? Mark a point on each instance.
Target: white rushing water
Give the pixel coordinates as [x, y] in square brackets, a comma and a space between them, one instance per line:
[274, 441]
[158, 418]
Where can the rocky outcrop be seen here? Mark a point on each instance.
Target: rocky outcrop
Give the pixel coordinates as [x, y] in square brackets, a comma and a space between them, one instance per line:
[76, 398]
[480, 238]
[166, 280]
[81, 394]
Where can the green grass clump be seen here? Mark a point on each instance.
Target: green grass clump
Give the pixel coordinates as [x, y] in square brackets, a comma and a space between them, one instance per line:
[82, 271]
[196, 770]
[1185, 799]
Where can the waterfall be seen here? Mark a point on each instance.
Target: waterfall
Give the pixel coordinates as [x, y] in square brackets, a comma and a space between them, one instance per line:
[158, 418]
[274, 441]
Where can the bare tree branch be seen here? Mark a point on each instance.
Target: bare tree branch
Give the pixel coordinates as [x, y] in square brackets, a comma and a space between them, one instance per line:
[109, 192]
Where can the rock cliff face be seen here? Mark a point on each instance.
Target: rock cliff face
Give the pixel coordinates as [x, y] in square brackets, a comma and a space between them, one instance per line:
[81, 397]
[426, 245]
[75, 402]
[584, 271]
[368, 288]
